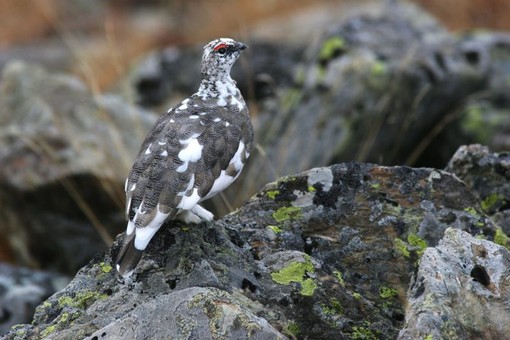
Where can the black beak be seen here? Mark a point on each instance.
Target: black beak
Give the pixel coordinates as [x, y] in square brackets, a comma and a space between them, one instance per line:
[240, 46]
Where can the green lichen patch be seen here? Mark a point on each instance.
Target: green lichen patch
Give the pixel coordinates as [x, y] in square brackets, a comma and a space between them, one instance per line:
[308, 287]
[287, 213]
[378, 68]
[292, 329]
[105, 267]
[272, 194]
[356, 295]
[475, 124]
[479, 220]
[414, 243]
[387, 292]
[501, 238]
[401, 247]
[375, 185]
[61, 322]
[275, 229]
[82, 299]
[364, 333]
[339, 277]
[48, 330]
[417, 242]
[331, 48]
[491, 202]
[334, 308]
[297, 272]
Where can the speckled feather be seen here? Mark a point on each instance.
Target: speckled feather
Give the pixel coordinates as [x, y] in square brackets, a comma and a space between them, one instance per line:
[155, 176]
[199, 145]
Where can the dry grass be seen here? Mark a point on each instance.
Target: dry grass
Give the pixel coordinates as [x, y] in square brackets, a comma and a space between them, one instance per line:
[470, 14]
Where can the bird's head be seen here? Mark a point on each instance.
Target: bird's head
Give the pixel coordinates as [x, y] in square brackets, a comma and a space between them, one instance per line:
[219, 56]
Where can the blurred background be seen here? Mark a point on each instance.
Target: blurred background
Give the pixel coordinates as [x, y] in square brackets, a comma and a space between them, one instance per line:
[388, 82]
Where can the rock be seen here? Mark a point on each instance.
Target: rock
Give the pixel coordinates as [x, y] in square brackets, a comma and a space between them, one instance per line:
[389, 88]
[326, 253]
[461, 291]
[487, 175]
[196, 313]
[21, 290]
[64, 155]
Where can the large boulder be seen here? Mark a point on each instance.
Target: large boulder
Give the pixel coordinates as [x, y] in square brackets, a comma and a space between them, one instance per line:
[326, 253]
[389, 86]
[64, 155]
[461, 291]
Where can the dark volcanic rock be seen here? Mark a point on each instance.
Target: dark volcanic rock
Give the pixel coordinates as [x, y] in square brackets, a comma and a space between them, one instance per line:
[488, 176]
[461, 291]
[328, 253]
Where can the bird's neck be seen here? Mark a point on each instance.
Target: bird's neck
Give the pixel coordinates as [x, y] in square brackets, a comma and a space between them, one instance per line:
[219, 85]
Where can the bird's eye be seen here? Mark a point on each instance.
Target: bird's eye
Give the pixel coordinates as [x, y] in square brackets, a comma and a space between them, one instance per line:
[222, 50]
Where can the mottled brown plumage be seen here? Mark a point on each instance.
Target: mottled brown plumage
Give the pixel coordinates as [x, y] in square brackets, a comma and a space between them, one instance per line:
[194, 151]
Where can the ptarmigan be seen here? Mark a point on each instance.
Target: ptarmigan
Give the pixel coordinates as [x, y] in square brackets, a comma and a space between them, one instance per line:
[194, 151]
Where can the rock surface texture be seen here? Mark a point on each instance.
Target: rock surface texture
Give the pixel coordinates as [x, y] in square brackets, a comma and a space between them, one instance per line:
[461, 291]
[63, 158]
[326, 253]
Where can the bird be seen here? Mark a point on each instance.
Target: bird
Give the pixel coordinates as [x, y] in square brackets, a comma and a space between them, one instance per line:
[194, 151]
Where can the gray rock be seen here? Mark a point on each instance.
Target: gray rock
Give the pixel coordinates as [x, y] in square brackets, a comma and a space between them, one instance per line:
[487, 174]
[389, 88]
[21, 290]
[327, 253]
[192, 313]
[461, 291]
[64, 155]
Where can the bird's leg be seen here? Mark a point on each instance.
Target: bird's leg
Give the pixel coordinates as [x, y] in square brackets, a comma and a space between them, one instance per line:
[196, 215]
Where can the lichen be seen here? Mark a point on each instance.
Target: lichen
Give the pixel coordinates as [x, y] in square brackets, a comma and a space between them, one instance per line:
[479, 220]
[473, 122]
[416, 241]
[275, 229]
[105, 267]
[272, 194]
[378, 68]
[311, 188]
[501, 238]
[339, 277]
[375, 185]
[48, 330]
[363, 333]
[297, 272]
[330, 47]
[81, 300]
[356, 295]
[334, 308]
[401, 247]
[61, 322]
[387, 292]
[287, 213]
[490, 202]
[292, 329]
[308, 287]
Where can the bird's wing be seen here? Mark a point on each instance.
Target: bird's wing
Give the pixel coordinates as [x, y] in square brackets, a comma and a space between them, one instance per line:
[186, 155]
